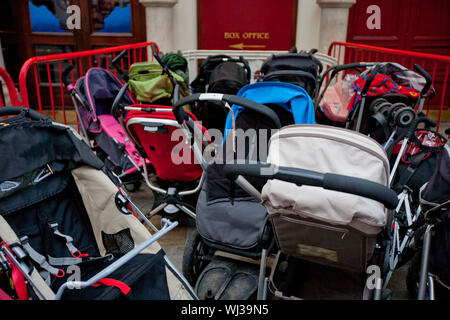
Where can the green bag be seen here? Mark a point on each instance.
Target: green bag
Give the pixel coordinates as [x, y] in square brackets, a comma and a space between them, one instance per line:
[153, 85]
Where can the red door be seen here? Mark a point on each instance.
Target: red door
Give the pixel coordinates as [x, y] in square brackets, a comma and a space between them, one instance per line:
[413, 25]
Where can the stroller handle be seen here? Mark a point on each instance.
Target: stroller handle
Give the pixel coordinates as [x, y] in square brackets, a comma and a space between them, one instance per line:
[12, 111]
[329, 181]
[427, 77]
[181, 115]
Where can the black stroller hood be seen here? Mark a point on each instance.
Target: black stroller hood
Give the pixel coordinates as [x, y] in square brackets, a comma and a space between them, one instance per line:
[33, 150]
[98, 89]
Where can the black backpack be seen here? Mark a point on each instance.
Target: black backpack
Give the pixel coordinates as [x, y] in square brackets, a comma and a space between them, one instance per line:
[301, 69]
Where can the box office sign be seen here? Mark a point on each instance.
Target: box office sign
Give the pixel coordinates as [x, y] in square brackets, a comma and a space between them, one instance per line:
[246, 24]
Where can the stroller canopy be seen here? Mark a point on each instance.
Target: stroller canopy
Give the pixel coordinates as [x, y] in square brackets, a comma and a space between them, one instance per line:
[291, 97]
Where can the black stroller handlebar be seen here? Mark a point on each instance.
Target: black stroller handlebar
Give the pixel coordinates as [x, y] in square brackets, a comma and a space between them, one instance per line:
[427, 77]
[181, 115]
[329, 181]
[13, 111]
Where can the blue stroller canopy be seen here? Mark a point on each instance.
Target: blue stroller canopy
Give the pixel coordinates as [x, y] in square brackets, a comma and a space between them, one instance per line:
[293, 98]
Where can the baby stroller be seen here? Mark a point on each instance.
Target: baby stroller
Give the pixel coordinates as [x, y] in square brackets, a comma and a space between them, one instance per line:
[301, 69]
[92, 97]
[67, 229]
[324, 236]
[157, 135]
[218, 74]
[428, 274]
[239, 226]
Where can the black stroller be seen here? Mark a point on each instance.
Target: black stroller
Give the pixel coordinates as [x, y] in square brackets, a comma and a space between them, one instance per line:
[218, 74]
[67, 229]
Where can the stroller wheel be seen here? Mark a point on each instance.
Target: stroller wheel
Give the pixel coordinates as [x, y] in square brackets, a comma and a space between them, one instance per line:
[196, 257]
[132, 186]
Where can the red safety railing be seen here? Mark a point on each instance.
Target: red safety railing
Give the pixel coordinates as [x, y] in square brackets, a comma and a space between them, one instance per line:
[436, 65]
[12, 93]
[41, 84]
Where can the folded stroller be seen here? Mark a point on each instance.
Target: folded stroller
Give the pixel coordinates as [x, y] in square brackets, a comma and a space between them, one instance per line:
[335, 230]
[239, 225]
[92, 97]
[67, 229]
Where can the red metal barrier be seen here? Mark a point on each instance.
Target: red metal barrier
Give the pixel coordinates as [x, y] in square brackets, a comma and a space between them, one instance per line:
[12, 93]
[40, 80]
[437, 66]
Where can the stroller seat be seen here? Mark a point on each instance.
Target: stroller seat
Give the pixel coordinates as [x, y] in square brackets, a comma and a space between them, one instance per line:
[324, 226]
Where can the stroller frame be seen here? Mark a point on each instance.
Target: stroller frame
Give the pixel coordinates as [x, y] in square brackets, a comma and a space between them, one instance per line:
[240, 180]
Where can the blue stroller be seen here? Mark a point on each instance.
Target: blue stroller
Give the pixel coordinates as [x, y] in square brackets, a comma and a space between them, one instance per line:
[229, 220]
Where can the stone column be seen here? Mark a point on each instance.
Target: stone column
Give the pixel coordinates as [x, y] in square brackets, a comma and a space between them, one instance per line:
[333, 22]
[159, 23]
